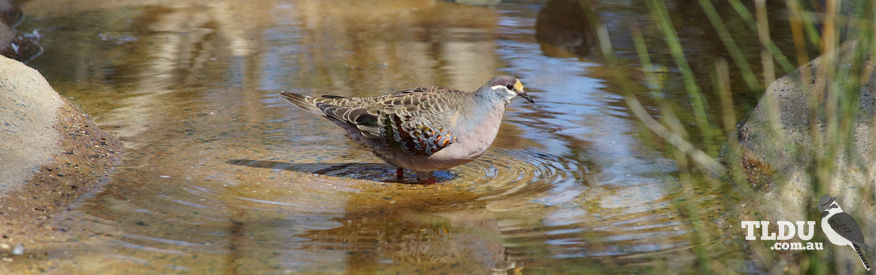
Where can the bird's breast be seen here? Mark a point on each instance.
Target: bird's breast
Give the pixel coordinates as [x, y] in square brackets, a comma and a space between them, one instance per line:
[473, 138]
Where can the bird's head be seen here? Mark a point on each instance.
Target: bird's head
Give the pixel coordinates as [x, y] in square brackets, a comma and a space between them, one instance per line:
[828, 205]
[507, 88]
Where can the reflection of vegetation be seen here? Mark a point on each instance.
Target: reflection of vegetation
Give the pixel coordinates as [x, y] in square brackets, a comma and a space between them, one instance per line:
[192, 84]
[825, 150]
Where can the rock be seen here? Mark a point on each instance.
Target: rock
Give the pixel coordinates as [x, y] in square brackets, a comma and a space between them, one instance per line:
[562, 28]
[14, 44]
[781, 168]
[27, 112]
[778, 157]
[36, 127]
[10, 14]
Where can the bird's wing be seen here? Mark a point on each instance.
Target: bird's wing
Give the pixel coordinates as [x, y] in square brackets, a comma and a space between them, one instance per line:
[847, 227]
[416, 121]
[352, 113]
[419, 121]
[429, 89]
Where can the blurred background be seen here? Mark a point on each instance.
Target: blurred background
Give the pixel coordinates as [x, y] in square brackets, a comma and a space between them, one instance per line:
[628, 162]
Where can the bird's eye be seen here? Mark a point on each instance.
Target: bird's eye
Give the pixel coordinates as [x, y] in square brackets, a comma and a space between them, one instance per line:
[834, 206]
[510, 87]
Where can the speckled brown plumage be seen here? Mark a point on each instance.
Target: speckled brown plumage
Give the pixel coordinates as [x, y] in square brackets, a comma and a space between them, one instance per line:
[409, 128]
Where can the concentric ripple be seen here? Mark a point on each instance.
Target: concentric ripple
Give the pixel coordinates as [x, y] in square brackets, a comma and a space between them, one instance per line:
[221, 176]
[504, 173]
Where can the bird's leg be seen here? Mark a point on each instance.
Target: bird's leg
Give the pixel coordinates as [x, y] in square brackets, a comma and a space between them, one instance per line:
[400, 174]
[425, 178]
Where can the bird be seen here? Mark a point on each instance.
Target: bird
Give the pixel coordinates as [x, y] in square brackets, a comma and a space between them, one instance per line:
[422, 129]
[841, 228]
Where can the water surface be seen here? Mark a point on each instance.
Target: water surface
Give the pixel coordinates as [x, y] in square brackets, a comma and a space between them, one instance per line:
[221, 175]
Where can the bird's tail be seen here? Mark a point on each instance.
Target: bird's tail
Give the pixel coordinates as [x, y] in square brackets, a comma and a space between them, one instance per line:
[302, 101]
[861, 255]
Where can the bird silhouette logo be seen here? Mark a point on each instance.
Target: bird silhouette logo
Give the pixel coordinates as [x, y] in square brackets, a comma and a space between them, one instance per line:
[841, 229]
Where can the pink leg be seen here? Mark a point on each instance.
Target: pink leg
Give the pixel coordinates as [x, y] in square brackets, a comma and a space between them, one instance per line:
[400, 174]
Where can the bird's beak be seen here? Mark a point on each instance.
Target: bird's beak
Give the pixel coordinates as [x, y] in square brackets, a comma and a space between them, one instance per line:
[519, 87]
[526, 96]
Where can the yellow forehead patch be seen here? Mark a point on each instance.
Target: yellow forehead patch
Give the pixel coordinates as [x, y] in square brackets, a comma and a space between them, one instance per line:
[518, 86]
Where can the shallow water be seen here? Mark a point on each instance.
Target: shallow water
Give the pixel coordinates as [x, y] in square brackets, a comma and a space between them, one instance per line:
[221, 175]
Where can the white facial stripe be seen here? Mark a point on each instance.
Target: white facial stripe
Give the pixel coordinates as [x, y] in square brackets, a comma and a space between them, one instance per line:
[500, 87]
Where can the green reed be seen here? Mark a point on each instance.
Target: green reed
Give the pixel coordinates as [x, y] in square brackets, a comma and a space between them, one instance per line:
[836, 100]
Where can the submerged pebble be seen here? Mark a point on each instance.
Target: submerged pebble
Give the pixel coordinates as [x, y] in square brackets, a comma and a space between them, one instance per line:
[18, 250]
